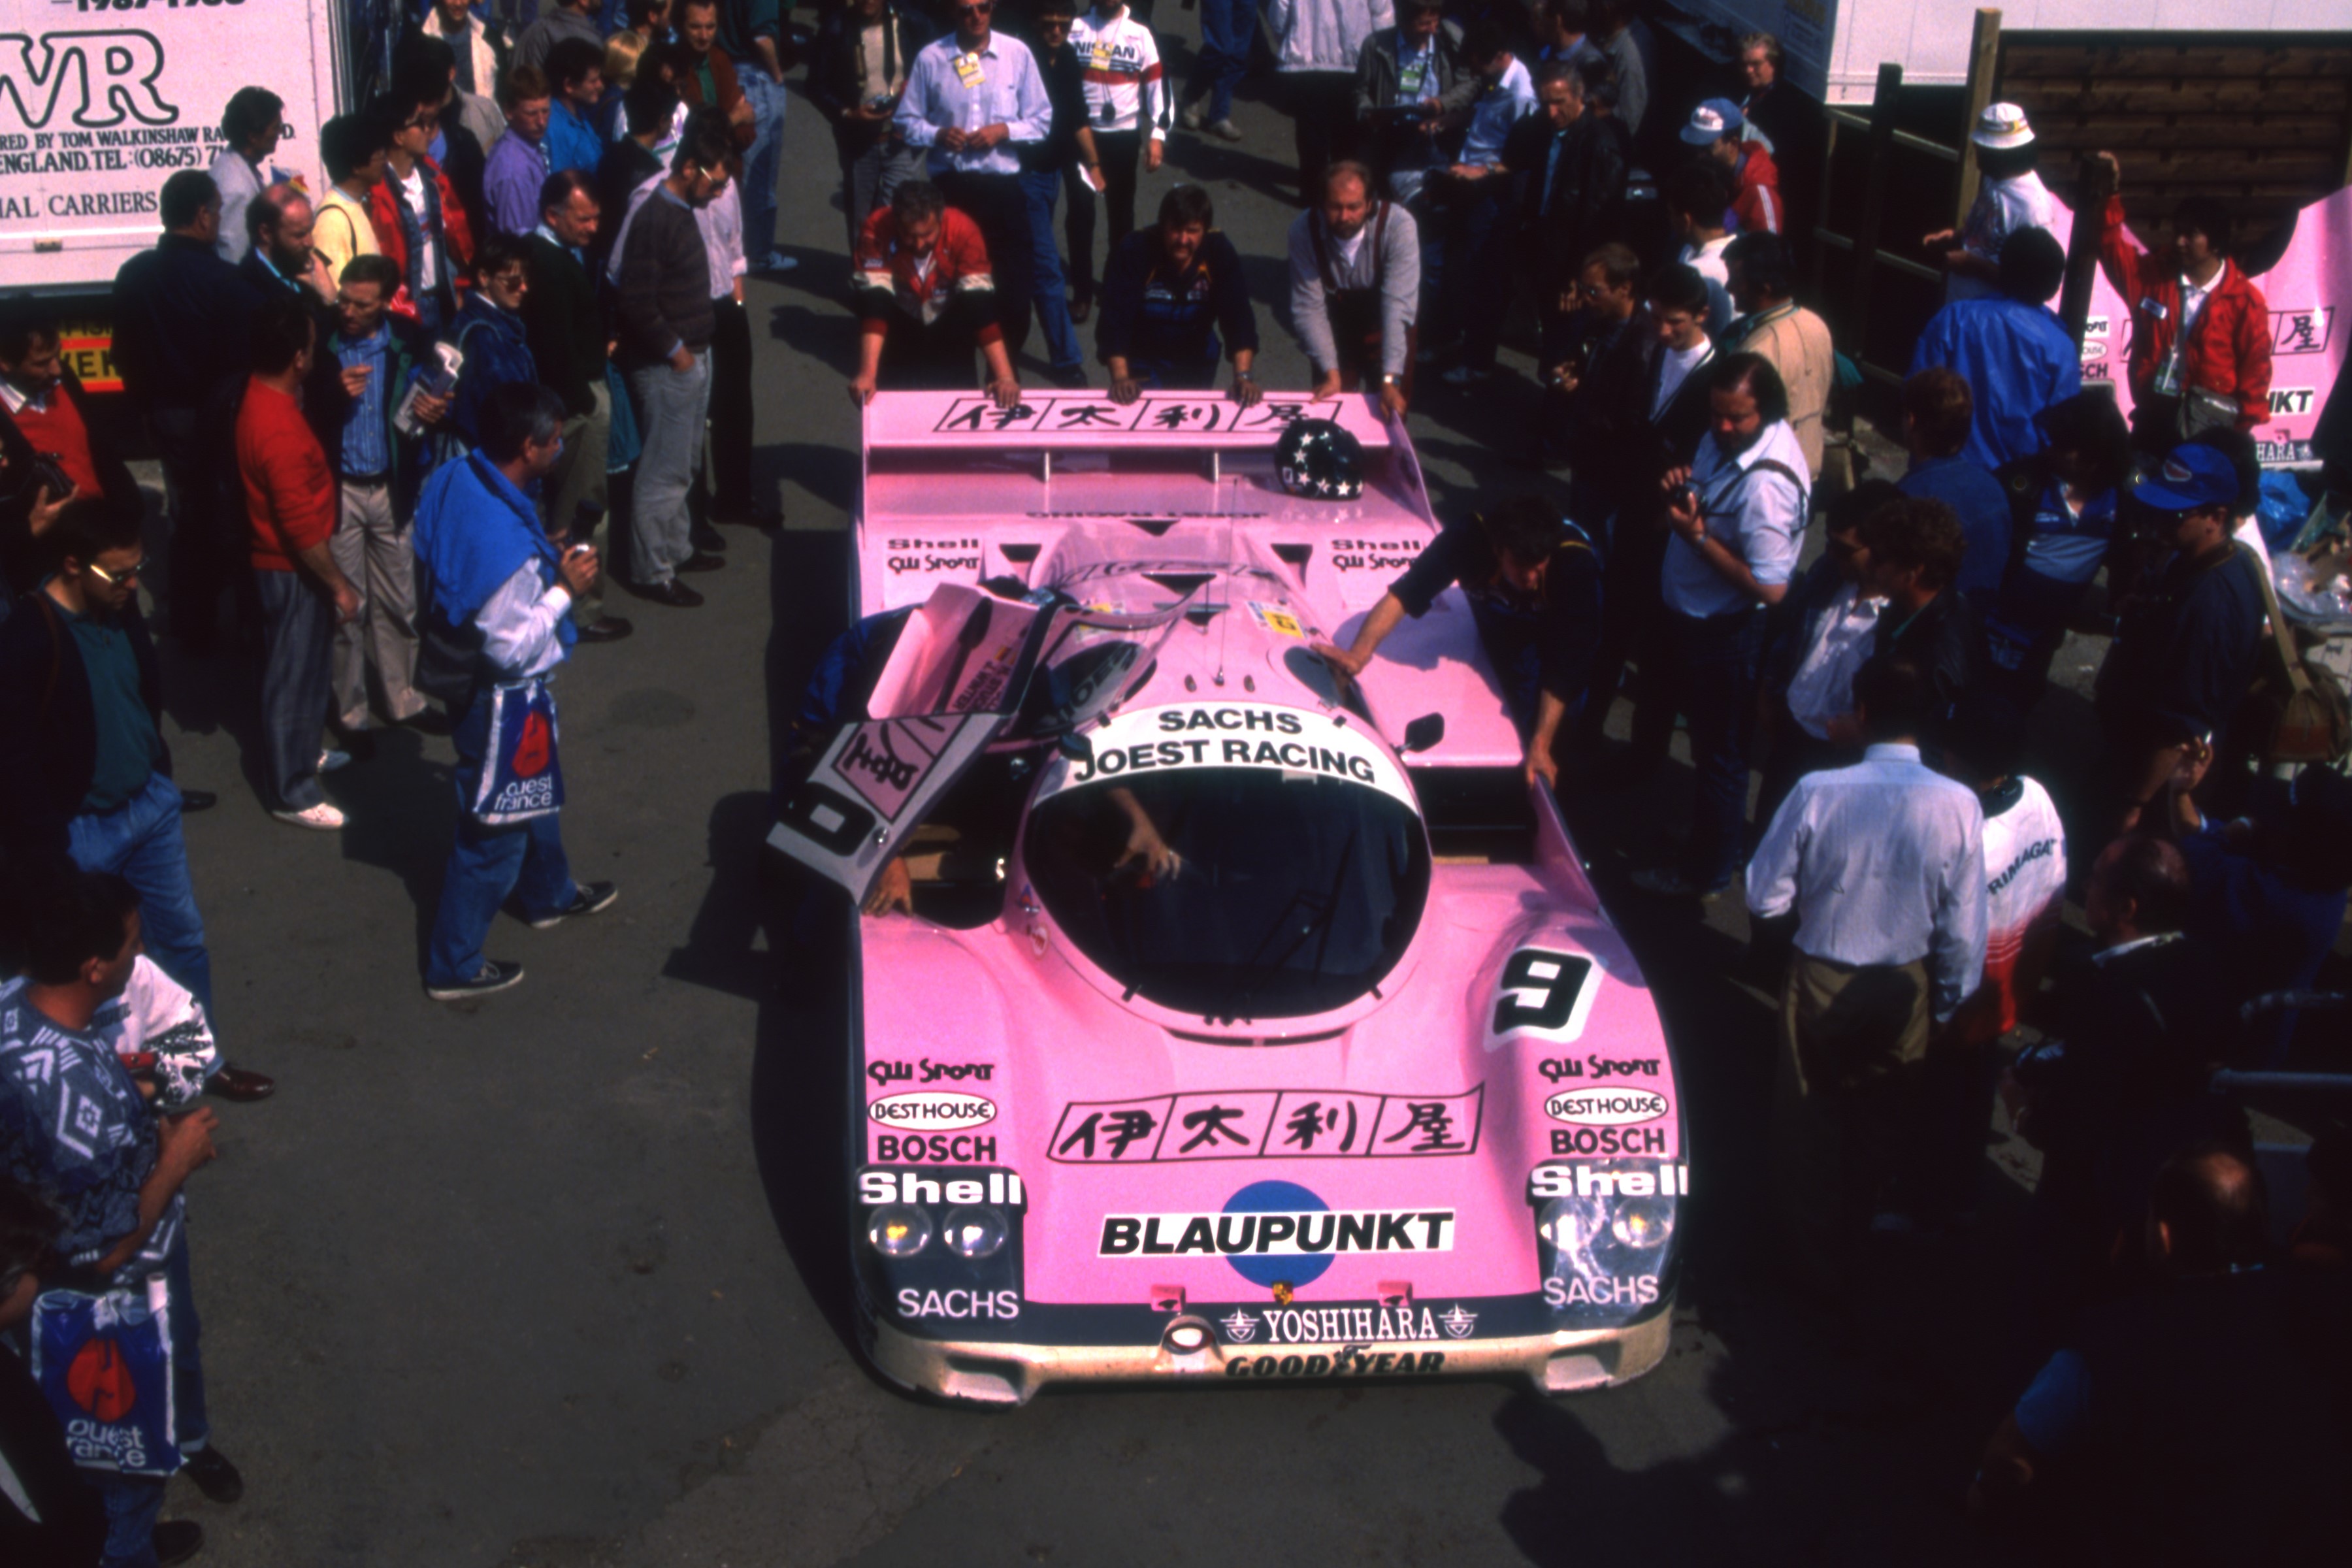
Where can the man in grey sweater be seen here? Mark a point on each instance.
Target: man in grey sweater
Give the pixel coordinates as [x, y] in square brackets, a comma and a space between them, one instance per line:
[1355, 288]
[667, 321]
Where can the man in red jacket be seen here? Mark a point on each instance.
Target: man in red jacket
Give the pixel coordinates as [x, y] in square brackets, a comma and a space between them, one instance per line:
[926, 300]
[290, 509]
[1717, 128]
[2201, 329]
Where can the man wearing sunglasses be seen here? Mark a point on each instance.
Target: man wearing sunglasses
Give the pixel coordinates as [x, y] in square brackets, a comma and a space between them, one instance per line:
[971, 98]
[83, 767]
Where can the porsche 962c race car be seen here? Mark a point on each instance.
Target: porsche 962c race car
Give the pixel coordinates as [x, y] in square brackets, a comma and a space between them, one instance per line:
[1251, 1025]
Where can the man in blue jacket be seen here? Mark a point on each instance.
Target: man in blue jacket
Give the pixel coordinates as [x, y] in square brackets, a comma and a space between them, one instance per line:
[501, 593]
[2012, 350]
[1167, 292]
[490, 333]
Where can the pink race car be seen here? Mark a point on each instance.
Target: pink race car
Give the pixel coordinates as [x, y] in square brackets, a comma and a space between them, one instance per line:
[1251, 1025]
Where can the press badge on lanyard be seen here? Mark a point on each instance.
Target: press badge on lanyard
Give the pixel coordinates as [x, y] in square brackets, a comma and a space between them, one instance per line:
[968, 70]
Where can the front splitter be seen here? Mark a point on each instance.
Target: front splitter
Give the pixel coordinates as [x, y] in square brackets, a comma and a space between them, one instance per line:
[991, 1371]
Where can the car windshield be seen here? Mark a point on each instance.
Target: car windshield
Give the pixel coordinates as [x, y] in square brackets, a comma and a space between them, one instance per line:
[1233, 893]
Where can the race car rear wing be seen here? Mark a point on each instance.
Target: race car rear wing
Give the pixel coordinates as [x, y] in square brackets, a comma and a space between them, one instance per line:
[951, 456]
[1083, 420]
[969, 670]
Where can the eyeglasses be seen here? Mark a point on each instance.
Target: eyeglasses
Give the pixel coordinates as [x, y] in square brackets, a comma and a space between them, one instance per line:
[980, 9]
[117, 579]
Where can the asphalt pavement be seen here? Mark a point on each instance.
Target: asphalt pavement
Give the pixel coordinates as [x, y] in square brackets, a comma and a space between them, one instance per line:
[554, 1279]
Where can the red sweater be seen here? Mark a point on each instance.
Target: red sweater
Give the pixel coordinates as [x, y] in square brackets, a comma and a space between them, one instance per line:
[289, 490]
[2230, 350]
[59, 429]
[1756, 196]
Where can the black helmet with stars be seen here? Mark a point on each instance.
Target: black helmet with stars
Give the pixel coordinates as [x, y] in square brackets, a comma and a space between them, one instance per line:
[1319, 461]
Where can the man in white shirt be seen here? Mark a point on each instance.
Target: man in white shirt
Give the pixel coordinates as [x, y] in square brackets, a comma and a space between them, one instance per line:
[2025, 896]
[250, 125]
[1126, 110]
[498, 583]
[1695, 196]
[2010, 198]
[1474, 248]
[1737, 515]
[971, 97]
[1883, 865]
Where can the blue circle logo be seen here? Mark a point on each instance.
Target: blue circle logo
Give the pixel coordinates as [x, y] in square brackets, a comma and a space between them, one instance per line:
[1278, 1203]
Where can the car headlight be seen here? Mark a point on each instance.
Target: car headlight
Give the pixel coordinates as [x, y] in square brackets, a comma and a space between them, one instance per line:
[899, 1230]
[1566, 1224]
[975, 1233]
[1642, 1224]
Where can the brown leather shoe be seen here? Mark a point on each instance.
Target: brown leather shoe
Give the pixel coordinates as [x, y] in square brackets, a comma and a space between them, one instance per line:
[240, 1087]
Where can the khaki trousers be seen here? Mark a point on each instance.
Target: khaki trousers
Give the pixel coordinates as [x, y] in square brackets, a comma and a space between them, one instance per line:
[371, 547]
[578, 477]
[1846, 1100]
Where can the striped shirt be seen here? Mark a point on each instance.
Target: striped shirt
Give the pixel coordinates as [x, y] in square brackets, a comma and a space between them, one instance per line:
[366, 452]
[1125, 89]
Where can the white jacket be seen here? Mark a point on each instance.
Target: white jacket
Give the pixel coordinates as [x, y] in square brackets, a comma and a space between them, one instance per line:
[476, 44]
[1324, 34]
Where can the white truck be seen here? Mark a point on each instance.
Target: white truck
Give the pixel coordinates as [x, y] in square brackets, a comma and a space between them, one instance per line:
[1832, 49]
[101, 101]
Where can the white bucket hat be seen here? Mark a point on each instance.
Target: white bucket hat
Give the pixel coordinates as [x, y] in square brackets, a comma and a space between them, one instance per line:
[2001, 126]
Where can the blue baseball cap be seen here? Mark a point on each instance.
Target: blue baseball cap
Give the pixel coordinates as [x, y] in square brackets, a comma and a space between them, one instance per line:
[2192, 477]
[1713, 121]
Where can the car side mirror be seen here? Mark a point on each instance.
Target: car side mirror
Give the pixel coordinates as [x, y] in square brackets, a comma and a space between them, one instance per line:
[1423, 732]
[1075, 747]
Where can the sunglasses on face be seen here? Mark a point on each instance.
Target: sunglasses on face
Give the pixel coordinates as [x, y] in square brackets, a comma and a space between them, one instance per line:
[982, 9]
[130, 574]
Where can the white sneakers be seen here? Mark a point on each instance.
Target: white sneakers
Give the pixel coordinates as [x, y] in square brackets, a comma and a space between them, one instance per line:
[325, 816]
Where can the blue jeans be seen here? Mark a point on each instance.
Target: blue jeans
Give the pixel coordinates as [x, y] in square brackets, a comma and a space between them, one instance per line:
[132, 1505]
[761, 159]
[1225, 28]
[1713, 662]
[141, 844]
[1041, 187]
[486, 864]
[672, 407]
[134, 1502]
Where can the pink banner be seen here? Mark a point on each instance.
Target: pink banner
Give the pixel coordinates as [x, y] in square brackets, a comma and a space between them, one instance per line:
[2309, 292]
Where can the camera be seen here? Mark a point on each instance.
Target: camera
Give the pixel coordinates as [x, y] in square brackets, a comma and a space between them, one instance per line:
[47, 472]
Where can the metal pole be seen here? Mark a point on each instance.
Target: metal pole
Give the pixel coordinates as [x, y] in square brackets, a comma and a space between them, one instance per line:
[1984, 60]
[2281, 1082]
[1820, 252]
[1873, 204]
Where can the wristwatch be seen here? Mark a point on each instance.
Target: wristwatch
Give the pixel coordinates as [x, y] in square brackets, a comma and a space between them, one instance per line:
[1388, 380]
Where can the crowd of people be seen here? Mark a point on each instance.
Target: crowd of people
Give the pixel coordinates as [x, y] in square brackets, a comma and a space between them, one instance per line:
[417, 405]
